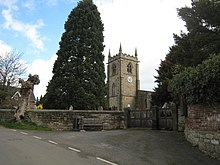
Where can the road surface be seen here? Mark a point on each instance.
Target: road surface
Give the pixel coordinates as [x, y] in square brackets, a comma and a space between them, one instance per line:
[118, 147]
[18, 147]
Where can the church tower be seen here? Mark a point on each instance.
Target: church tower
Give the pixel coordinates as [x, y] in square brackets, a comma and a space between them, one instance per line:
[123, 80]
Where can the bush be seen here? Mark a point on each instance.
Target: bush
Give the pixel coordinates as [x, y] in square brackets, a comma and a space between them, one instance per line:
[198, 84]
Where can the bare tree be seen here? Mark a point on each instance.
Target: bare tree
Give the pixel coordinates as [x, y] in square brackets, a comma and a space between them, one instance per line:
[11, 67]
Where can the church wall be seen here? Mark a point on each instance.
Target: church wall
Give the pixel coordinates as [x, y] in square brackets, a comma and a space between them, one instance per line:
[128, 102]
[128, 87]
[126, 80]
[114, 103]
[144, 100]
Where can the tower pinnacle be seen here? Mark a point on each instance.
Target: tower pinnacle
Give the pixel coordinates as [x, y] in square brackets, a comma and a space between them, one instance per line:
[109, 54]
[120, 49]
[136, 52]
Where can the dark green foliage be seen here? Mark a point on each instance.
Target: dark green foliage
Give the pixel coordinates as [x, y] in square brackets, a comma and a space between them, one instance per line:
[79, 74]
[161, 94]
[203, 23]
[199, 84]
[200, 42]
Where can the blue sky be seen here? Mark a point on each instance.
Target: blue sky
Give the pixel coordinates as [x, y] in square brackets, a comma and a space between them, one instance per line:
[34, 27]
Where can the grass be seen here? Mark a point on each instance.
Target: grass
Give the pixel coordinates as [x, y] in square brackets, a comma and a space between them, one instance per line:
[24, 125]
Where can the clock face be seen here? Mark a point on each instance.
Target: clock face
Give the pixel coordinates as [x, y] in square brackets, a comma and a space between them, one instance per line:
[129, 79]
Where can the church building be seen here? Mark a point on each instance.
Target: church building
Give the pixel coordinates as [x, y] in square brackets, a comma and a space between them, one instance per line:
[124, 84]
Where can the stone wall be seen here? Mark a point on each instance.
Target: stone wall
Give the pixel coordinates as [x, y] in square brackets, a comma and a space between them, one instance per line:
[202, 128]
[181, 120]
[143, 101]
[65, 119]
[6, 114]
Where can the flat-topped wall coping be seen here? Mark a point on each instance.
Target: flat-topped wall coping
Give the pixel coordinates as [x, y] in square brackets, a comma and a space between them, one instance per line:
[74, 111]
[68, 111]
[66, 119]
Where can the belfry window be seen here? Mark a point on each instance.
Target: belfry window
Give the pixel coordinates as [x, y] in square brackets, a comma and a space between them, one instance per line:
[114, 92]
[129, 68]
[113, 69]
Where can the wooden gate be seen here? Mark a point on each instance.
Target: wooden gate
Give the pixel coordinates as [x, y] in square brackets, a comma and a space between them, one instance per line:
[156, 118]
[165, 119]
[141, 118]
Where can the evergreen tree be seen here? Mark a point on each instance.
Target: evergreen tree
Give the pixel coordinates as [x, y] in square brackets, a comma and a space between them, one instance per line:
[79, 73]
[200, 42]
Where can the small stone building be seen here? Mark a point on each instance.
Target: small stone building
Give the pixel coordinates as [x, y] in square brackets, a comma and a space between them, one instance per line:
[124, 84]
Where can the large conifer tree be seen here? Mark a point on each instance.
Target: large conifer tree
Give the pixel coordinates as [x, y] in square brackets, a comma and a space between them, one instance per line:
[78, 73]
[200, 42]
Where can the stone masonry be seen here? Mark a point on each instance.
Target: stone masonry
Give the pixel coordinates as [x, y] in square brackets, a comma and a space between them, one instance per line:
[64, 119]
[123, 80]
[202, 128]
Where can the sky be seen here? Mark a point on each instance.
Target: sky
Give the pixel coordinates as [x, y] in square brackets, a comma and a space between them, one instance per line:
[34, 28]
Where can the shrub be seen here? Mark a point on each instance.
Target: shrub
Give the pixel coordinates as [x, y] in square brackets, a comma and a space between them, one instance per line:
[198, 84]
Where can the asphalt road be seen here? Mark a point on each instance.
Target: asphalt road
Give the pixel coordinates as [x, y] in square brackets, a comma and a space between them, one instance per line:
[119, 147]
[22, 148]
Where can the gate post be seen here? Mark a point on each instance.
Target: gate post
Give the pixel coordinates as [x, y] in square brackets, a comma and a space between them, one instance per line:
[155, 119]
[174, 117]
[76, 123]
[127, 117]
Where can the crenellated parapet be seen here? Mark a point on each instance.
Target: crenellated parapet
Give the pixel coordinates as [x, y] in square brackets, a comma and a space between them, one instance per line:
[122, 56]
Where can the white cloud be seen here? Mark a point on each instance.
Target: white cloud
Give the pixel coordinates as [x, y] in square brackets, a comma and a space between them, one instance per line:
[56, 2]
[27, 29]
[44, 70]
[29, 4]
[7, 3]
[4, 47]
[51, 2]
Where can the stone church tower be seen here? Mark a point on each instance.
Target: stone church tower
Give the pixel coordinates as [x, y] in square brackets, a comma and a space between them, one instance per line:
[123, 80]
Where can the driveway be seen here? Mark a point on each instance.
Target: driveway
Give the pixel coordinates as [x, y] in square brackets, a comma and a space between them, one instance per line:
[132, 146]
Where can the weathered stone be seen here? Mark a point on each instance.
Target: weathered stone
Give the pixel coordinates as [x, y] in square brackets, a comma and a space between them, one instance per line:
[217, 149]
[63, 119]
[202, 146]
[209, 136]
[217, 135]
[215, 142]
[195, 141]
[205, 140]
[210, 148]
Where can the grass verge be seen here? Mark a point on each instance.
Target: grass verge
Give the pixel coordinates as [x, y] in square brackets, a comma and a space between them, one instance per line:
[24, 125]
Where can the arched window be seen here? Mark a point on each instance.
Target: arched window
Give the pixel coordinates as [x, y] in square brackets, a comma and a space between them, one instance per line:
[114, 91]
[129, 68]
[114, 69]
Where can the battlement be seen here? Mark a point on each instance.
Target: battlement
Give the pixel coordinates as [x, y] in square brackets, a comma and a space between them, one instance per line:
[122, 56]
